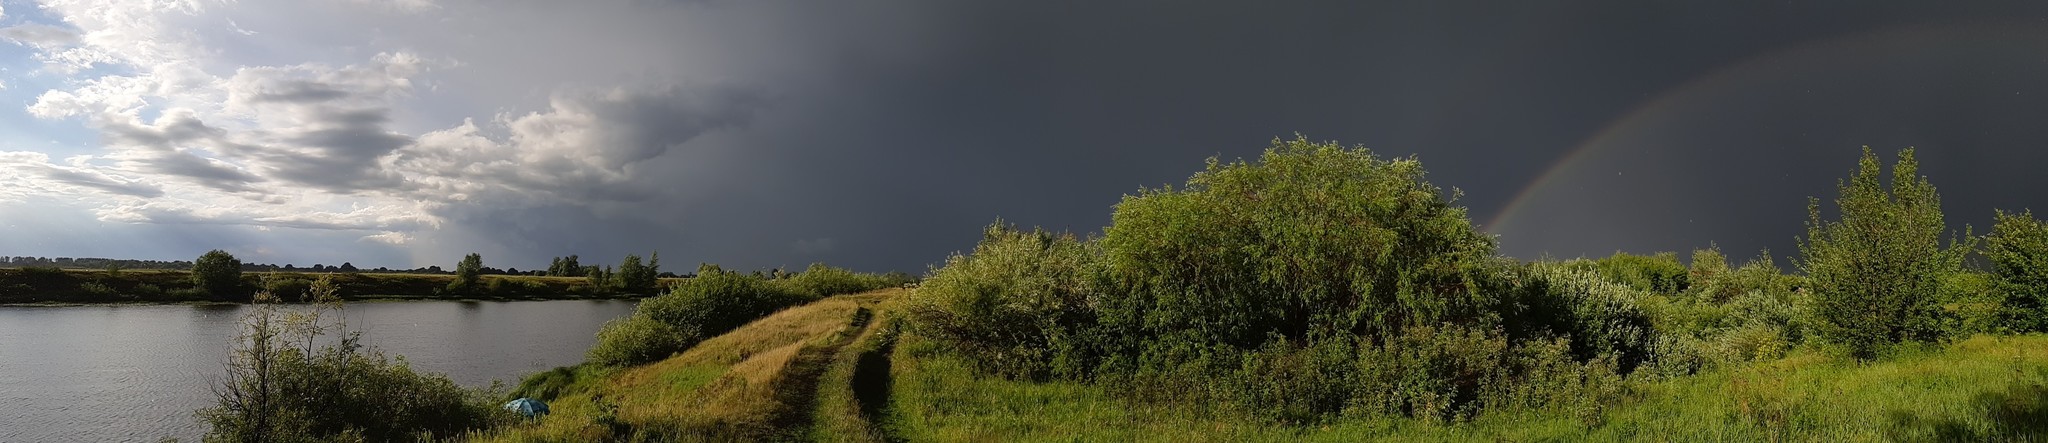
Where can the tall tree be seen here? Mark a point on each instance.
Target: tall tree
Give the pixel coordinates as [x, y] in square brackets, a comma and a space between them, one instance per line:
[1876, 273]
[218, 272]
[2018, 249]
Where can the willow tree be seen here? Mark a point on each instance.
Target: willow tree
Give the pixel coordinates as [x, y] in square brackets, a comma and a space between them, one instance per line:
[1876, 272]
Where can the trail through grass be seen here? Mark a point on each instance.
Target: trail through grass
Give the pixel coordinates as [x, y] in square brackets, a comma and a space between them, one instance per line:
[756, 383]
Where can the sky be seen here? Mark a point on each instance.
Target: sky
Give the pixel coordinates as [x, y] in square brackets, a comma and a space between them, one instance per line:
[884, 135]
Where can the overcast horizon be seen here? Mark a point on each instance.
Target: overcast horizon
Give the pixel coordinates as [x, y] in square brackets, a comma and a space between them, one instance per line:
[884, 135]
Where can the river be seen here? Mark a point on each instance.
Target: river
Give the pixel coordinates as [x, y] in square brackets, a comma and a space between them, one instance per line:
[137, 372]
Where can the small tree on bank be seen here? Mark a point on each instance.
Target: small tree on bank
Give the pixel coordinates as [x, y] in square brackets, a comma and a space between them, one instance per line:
[218, 272]
[1876, 272]
[467, 273]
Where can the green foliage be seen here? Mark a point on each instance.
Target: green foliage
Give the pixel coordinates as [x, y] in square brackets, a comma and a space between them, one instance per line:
[1599, 316]
[42, 272]
[1313, 240]
[280, 387]
[635, 340]
[287, 288]
[565, 267]
[635, 278]
[2018, 251]
[713, 303]
[218, 273]
[1661, 273]
[97, 289]
[820, 281]
[601, 280]
[468, 272]
[547, 385]
[1019, 305]
[1876, 273]
[1261, 285]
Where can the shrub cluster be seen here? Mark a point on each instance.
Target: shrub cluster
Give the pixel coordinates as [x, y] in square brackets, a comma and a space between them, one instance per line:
[1321, 280]
[280, 387]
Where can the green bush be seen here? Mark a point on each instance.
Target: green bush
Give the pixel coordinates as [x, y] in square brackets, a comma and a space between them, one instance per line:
[2018, 251]
[706, 306]
[1876, 273]
[218, 273]
[1313, 240]
[636, 339]
[188, 294]
[547, 385]
[820, 281]
[97, 289]
[712, 304]
[279, 387]
[147, 290]
[41, 272]
[1660, 273]
[287, 288]
[1598, 315]
[1019, 305]
[1320, 280]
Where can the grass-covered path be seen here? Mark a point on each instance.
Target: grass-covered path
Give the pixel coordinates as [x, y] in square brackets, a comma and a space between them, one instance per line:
[788, 376]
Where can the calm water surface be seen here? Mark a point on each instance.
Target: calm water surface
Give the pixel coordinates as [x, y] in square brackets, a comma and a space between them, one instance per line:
[136, 373]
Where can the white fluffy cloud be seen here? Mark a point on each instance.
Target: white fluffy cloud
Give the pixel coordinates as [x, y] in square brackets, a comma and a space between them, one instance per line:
[192, 132]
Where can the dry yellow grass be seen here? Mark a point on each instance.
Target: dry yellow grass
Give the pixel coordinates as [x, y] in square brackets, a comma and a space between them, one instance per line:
[749, 384]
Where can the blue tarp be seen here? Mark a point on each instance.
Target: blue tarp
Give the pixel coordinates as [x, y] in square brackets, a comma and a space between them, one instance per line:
[527, 407]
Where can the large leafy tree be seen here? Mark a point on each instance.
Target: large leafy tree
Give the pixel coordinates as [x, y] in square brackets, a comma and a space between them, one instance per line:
[1876, 272]
[218, 272]
[2018, 249]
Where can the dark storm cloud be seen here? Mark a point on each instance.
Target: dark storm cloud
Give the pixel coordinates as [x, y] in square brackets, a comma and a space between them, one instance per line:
[1045, 116]
[885, 135]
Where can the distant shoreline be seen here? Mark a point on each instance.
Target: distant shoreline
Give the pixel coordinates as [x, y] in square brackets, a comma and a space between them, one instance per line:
[45, 287]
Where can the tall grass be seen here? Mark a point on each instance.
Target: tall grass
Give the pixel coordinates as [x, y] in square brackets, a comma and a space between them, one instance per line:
[1987, 388]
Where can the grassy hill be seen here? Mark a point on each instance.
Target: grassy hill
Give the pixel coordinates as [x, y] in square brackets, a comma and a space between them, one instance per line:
[841, 369]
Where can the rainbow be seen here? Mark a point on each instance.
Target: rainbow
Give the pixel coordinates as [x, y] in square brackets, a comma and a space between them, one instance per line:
[1671, 105]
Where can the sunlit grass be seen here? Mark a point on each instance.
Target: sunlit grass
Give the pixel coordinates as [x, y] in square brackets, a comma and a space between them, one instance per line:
[745, 385]
[1987, 388]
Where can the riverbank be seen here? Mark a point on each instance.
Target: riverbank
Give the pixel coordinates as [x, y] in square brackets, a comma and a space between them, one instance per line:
[52, 287]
